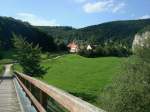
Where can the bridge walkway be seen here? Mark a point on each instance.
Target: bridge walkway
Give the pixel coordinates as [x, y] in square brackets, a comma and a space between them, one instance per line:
[9, 101]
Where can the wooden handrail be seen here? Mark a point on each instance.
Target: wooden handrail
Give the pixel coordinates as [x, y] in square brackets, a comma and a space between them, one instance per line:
[35, 102]
[70, 102]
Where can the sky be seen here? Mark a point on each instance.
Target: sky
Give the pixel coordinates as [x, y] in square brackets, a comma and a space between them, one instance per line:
[75, 13]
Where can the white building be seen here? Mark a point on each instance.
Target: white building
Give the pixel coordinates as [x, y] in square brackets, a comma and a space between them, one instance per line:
[89, 48]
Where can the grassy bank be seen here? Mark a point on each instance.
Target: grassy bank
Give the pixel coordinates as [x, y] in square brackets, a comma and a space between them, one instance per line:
[83, 77]
[6, 58]
[1, 69]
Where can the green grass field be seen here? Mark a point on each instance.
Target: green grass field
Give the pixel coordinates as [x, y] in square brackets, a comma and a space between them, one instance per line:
[83, 77]
[1, 69]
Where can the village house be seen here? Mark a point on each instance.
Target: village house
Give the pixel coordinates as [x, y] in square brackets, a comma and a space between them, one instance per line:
[73, 47]
[89, 48]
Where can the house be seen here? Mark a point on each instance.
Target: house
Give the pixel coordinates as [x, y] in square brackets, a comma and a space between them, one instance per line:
[73, 47]
[89, 48]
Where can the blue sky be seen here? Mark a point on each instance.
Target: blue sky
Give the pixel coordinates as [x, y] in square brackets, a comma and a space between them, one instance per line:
[76, 13]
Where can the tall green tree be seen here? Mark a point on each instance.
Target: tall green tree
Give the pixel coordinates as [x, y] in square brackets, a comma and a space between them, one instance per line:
[131, 91]
[1, 55]
[28, 56]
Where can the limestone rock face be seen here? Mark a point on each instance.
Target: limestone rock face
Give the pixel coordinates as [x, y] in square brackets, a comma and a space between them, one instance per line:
[139, 39]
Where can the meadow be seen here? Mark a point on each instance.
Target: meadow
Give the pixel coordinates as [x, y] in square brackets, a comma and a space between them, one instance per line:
[1, 69]
[80, 76]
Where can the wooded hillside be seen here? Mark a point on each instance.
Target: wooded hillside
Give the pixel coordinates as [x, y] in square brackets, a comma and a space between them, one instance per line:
[10, 26]
[120, 31]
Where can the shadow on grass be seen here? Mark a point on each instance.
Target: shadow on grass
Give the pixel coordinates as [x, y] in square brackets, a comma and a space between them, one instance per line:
[85, 96]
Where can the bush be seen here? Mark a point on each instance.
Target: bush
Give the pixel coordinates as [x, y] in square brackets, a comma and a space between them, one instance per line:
[106, 50]
[130, 92]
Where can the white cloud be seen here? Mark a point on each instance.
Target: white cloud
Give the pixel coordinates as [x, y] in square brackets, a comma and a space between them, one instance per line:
[145, 17]
[104, 5]
[97, 6]
[35, 20]
[118, 7]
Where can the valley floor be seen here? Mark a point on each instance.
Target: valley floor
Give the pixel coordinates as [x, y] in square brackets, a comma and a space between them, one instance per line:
[82, 77]
[1, 69]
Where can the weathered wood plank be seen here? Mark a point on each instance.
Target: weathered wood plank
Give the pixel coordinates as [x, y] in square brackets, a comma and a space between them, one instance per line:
[8, 97]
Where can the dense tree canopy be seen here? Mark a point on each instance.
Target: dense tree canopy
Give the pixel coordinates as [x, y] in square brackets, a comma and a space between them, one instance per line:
[120, 31]
[10, 26]
[110, 49]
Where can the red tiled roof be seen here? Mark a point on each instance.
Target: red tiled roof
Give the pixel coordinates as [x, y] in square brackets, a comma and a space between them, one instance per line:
[72, 45]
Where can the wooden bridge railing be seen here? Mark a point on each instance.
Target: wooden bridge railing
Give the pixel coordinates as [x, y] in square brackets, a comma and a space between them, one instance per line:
[47, 98]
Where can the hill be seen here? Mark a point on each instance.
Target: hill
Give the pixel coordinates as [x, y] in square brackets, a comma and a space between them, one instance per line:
[120, 31]
[147, 28]
[10, 26]
[58, 31]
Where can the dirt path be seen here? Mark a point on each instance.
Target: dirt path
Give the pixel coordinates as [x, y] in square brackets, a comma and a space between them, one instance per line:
[7, 70]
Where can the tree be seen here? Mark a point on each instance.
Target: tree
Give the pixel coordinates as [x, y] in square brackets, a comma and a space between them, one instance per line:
[130, 92]
[61, 46]
[1, 55]
[28, 56]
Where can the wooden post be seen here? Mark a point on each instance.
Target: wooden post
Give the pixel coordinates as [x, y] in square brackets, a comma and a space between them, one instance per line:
[43, 99]
[30, 88]
[34, 101]
[25, 82]
[40, 99]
